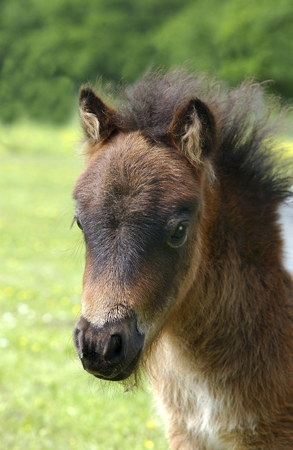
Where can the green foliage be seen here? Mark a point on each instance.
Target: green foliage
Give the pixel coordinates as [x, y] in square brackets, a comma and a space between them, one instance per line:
[190, 36]
[47, 401]
[48, 49]
[233, 40]
[258, 42]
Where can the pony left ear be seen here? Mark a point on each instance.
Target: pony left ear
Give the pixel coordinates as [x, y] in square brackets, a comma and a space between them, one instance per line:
[193, 129]
[98, 120]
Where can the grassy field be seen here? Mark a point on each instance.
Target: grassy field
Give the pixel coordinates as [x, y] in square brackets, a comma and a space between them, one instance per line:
[47, 401]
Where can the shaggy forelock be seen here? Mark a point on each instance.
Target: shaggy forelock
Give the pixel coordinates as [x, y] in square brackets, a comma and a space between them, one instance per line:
[246, 131]
[151, 102]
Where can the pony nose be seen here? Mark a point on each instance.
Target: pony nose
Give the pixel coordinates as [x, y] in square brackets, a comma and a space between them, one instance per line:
[113, 350]
[109, 352]
[87, 343]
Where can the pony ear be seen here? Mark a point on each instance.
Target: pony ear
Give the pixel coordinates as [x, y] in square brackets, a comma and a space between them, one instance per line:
[96, 117]
[193, 129]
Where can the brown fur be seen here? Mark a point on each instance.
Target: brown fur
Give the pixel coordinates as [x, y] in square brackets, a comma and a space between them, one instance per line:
[215, 311]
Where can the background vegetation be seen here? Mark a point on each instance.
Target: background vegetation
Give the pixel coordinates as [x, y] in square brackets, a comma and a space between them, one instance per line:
[47, 50]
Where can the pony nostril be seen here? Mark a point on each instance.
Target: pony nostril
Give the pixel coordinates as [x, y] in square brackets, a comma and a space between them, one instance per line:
[114, 350]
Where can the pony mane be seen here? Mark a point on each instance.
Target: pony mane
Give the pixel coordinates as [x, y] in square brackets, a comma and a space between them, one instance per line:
[248, 136]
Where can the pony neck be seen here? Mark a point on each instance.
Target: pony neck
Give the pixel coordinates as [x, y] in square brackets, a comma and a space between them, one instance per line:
[238, 304]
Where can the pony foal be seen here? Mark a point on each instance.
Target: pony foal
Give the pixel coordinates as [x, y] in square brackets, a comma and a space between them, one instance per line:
[184, 277]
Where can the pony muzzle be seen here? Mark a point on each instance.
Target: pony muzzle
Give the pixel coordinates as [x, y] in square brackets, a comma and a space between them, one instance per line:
[110, 352]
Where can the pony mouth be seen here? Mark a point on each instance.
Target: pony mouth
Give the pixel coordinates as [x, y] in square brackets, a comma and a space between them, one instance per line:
[124, 373]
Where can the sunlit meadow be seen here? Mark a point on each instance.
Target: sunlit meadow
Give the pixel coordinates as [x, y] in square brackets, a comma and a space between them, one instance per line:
[47, 401]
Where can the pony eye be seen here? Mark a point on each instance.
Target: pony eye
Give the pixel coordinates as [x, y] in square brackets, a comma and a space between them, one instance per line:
[78, 222]
[178, 235]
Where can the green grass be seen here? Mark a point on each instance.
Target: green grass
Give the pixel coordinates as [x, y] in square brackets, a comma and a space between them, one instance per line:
[47, 401]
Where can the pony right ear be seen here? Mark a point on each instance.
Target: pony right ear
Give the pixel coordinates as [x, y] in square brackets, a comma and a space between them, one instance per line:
[96, 117]
[194, 130]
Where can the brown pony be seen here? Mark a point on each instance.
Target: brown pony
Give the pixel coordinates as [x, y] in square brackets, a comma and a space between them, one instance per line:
[179, 205]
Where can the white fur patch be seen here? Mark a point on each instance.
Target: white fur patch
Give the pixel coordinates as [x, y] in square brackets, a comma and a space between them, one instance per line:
[286, 222]
[205, 414]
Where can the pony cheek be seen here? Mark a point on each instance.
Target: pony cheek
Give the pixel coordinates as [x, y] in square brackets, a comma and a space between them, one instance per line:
[155, 309]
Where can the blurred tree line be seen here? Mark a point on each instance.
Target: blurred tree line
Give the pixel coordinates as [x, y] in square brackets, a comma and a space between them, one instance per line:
[49, 48]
